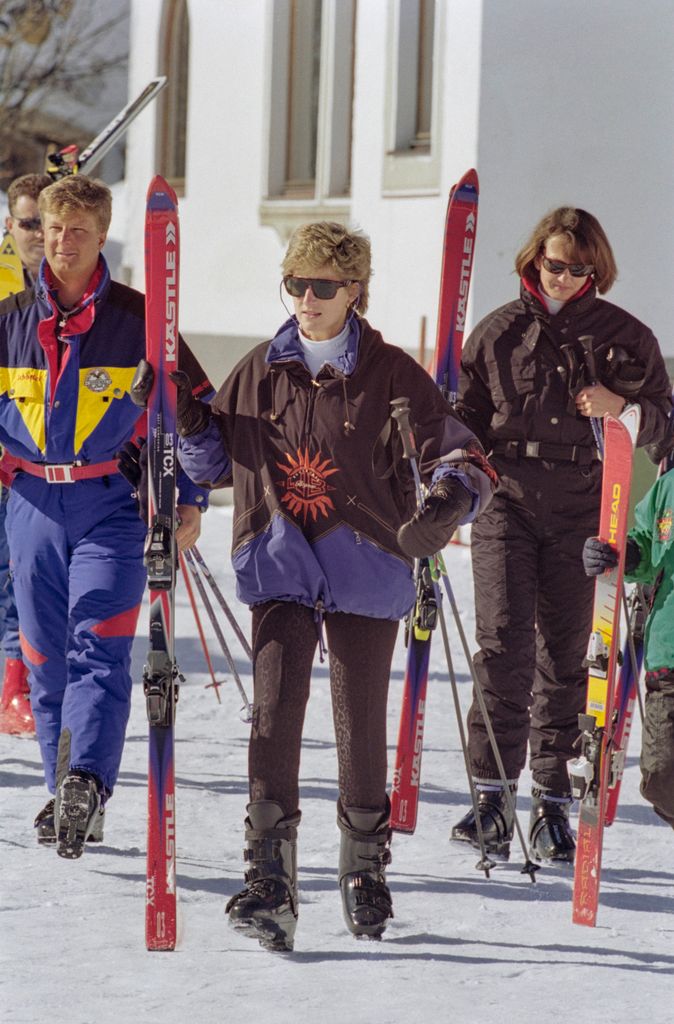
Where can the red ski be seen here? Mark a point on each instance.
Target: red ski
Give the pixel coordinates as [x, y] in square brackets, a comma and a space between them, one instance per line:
[159, 678]
[457, 265]
[590, 773]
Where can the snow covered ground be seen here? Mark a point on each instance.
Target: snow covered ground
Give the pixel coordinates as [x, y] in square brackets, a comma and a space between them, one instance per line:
[461, 948]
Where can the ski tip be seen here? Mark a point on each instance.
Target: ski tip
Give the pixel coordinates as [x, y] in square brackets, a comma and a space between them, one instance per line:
[160, 195]
[469, 183]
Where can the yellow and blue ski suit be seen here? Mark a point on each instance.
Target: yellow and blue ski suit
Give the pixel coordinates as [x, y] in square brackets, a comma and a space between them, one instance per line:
[76, 539]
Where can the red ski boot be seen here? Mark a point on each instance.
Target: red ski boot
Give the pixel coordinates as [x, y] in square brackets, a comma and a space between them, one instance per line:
[15, 713]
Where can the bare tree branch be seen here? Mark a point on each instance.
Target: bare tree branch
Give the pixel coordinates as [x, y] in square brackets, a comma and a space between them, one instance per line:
[53, 53]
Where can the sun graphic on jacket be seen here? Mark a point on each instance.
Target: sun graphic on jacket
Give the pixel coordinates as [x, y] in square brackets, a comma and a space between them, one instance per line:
[306, 486]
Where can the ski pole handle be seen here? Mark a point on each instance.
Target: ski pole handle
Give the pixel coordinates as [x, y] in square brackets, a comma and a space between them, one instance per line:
[587, 341]
[400, 411]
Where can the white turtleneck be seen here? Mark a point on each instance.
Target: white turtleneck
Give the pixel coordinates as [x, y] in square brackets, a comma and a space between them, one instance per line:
[316, 353]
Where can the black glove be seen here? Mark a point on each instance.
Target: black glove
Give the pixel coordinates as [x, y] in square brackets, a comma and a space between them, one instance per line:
[193, 416]
[132, 462]
[598, 556]
[431, 528]
[141, 385]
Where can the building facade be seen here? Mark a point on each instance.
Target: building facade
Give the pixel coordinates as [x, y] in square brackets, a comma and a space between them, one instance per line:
[366, 111]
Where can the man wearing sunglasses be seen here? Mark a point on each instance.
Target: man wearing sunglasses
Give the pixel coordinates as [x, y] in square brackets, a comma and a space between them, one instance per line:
[534, 373]
[25, 226]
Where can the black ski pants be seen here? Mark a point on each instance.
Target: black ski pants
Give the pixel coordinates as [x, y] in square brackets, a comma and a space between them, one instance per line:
[360, 654]
[533, 608]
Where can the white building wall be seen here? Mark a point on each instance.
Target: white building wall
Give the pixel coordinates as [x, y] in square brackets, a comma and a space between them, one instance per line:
[407, 229]
[577, 106]
[552, 103]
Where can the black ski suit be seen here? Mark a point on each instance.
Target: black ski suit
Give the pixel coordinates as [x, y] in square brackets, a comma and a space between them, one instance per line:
[521, 370]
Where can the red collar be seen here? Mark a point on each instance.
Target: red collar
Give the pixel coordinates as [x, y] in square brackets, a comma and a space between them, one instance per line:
[82, 318]
[533, 288]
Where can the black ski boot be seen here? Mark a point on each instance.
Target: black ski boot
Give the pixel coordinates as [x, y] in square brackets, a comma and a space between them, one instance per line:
[266, 909]
[550, 835]
[363, 856]
[496, 819]
[77, 813]
[45, 827]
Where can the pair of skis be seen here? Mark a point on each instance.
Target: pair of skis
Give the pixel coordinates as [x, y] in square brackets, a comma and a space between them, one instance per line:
[605, 724]
[457, 264]
[160, 676]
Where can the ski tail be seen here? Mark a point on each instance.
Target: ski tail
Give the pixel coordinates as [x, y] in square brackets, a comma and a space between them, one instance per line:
[590, 772]
[457, 266]
[161, 690]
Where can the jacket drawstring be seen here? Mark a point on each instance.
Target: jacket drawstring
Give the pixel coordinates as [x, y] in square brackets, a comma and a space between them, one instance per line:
[274, 415]
[319, 616]
[348, 425]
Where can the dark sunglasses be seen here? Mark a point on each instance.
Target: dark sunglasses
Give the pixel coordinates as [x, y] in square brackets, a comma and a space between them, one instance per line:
[575, 269]
[322, 289]
[30, 223]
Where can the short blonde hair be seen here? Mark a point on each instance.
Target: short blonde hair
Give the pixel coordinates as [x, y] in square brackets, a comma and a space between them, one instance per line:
[325, 243]
[586, 238]
[78, 194]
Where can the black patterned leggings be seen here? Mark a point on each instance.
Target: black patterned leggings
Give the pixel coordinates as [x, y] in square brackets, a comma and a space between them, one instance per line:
[360, 650]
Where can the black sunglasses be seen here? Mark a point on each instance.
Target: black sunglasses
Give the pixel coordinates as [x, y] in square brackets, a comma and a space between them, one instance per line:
[30, 223]
[575, 269]
[322, 289]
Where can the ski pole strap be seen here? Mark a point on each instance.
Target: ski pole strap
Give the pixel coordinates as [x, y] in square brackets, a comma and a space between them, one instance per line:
[61, 472]
[542, 450]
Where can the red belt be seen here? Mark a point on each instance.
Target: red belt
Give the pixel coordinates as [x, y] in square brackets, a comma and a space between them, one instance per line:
[61, 472]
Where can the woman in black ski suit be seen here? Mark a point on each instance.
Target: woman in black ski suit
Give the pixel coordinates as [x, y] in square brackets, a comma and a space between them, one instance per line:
[533, 374]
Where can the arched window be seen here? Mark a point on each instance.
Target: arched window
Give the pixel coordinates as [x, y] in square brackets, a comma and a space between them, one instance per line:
[174, 63]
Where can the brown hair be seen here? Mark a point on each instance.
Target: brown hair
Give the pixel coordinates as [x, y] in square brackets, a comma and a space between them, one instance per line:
[26, 185]
[323, 243]
[586, 239]
[78, 194]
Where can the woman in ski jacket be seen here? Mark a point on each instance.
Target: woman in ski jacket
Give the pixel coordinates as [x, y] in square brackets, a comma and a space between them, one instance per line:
[325, 534]
[649, 560]
[535, 375]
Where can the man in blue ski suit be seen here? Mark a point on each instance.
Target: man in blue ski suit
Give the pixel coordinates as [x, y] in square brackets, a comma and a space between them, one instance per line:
[69, 347]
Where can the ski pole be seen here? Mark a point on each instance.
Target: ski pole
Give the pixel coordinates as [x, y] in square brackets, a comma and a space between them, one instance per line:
[246, 710]
[206, 572]
[587, 341]
[400, 411]
[485, 863]
[197, 618]
[638, 606]
[528, 868]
